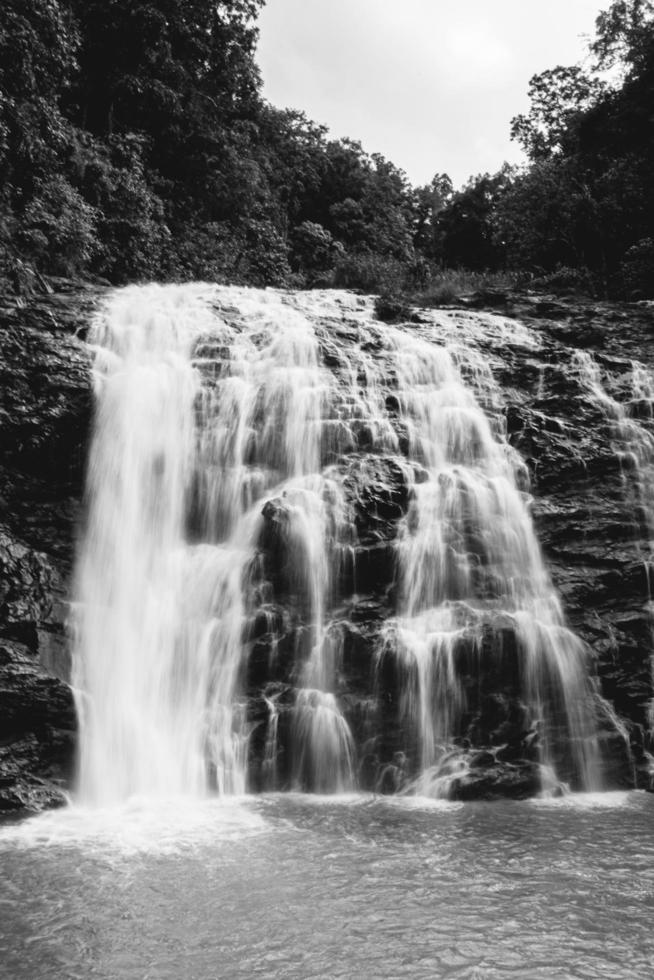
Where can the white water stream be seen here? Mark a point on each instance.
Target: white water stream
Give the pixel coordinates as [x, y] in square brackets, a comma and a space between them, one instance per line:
[633, 443]
[469, 557]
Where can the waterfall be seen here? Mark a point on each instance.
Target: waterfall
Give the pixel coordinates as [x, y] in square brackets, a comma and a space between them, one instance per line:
[632, 440]
[469, 558]
[198, 423]
[228, 546]
[158, 617]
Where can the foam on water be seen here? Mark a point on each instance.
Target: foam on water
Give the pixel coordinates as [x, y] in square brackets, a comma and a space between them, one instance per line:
[384, 888]
[138, 826]
[614, 799]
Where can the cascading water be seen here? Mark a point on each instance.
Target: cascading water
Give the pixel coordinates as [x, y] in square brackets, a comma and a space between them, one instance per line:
[157, 618]
[221, 572]
[198, 423]
[469, 558]
[633, 443]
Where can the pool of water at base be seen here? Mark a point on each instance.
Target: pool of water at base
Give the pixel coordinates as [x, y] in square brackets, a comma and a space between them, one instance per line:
[295, 887]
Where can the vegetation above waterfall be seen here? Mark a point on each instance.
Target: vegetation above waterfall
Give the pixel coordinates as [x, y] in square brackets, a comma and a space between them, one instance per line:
[135, 144]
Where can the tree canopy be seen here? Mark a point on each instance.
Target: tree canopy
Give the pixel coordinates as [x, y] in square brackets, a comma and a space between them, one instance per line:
[135, 144]
[587, 200]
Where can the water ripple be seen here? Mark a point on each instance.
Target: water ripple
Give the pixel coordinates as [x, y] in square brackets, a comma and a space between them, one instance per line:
[294, 887]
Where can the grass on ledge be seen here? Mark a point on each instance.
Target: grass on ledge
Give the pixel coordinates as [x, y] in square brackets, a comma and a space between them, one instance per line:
[450, 285]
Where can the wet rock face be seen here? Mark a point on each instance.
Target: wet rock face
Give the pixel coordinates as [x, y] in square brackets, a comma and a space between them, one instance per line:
[590, 514]
[592, 503]
[591, 481]
[594, 528]
[45, 410]
[37, 732]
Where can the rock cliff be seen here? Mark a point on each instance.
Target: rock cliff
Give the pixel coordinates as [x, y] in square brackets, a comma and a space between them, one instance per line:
[589, 472]
[589, 451]
[45, 412]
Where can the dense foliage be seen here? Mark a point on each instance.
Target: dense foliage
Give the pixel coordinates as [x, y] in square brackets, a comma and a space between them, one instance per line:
[587, 200]
[134, 144]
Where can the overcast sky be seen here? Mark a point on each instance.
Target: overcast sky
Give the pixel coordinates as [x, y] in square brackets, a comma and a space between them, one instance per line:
[431, 84]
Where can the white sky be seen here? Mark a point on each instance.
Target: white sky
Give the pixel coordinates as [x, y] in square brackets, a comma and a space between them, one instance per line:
[431, 84]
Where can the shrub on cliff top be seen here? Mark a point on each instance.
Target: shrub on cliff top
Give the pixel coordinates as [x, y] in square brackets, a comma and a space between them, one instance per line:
[638, 270]
[58, 228]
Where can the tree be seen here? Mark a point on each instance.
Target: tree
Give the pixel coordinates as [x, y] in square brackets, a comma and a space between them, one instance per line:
[38, 47]
[549, 217]
[428, 204]
[468, 222]
[623, 36]
[588, 197]
[314, 249]
[559, 97]
[182, 74]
